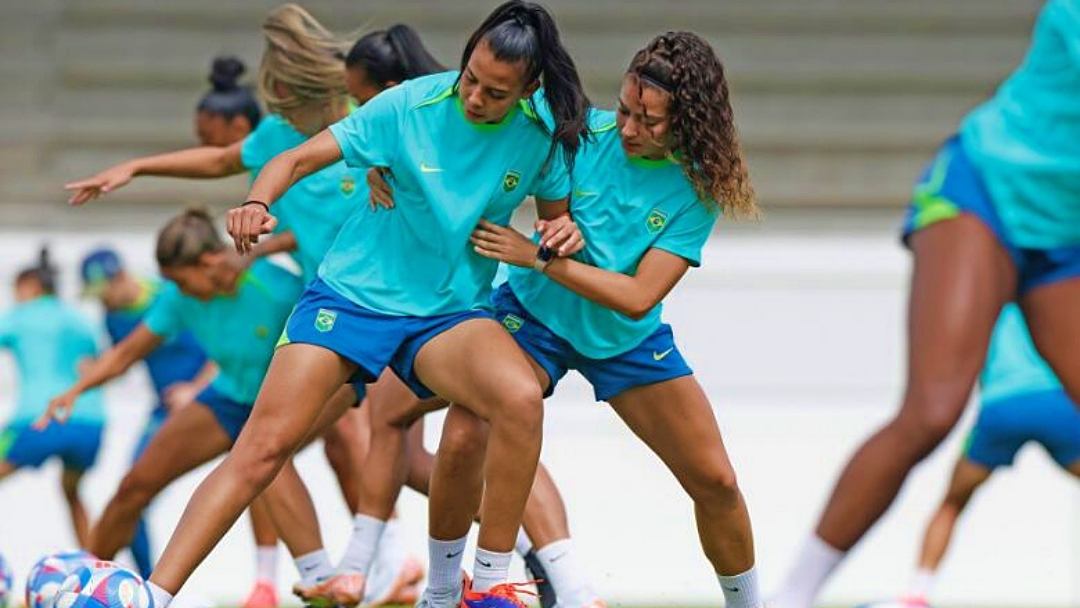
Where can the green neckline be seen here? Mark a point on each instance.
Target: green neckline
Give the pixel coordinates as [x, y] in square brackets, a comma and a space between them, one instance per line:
[651, 163]
[487, 126]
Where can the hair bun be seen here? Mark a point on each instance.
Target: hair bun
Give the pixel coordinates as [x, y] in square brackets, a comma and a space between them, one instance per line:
[225, 73]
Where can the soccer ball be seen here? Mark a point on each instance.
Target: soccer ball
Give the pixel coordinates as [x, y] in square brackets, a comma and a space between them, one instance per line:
[49, 573]
[6, 581]
[103, 585]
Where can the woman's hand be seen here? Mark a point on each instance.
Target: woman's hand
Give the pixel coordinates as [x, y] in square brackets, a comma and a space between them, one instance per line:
[382, 195]
[180, 394]
[503, 244]
[561, 235]
[92, 187]
[246, 223]
[59, 409]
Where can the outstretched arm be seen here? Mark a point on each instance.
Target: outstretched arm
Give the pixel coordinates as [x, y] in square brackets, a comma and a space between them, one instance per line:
[200, 162]
[139, 343]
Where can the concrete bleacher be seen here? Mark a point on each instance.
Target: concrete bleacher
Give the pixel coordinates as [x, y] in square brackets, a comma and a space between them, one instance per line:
[838, 101]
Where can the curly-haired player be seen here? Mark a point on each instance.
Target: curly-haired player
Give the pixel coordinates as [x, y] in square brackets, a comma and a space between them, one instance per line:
[646, 195]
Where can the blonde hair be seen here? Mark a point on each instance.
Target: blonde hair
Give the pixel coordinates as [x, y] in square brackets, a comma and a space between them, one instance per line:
[184, 238]
[303, 64]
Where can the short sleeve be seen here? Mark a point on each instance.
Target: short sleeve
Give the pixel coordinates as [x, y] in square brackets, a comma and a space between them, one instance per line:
[553, 183]
[686, 233]
[273, 136]
[163, 318]
[1065, 16]
[371, 136]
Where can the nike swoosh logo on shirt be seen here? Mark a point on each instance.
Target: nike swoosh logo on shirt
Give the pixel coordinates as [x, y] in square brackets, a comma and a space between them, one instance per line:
[658, 356]
[424, 168]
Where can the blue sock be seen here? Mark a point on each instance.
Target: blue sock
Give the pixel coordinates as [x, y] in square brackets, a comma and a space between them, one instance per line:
[140, 549]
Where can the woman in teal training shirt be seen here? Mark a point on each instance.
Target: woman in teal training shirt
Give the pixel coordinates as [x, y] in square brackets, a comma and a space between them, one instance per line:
[49, 341]
[995, 218]
[405, 291]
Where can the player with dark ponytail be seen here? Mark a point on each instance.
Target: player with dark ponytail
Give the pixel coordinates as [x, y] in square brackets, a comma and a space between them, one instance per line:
[229, 110]
[385, 58]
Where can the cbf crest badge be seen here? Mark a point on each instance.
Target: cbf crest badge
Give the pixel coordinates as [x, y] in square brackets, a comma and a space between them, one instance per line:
[324, 321]
[656, 221]
[512, 323]
[348, 185]
[511, 180]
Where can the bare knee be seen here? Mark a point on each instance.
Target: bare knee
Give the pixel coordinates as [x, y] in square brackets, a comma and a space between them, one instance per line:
[713, 482]
[136, 491]
[258, 460]
[463, 441]
[928, 416]
[521, 409]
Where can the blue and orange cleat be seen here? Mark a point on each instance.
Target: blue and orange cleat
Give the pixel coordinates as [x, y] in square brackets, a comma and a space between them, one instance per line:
[499, 596]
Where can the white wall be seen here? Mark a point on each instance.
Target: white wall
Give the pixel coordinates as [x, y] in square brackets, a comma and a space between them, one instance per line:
[798, 340]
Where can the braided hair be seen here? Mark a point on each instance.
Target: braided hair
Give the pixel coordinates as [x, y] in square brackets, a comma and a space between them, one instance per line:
[702, 120]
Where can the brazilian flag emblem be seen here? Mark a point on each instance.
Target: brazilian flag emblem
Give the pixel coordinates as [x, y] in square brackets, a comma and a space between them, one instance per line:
[511, 180]
[656, 221]
[512, 323]
[348, 185]
[262, 331]
[324, 321]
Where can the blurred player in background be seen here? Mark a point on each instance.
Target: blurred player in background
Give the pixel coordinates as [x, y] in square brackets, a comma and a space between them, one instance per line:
[1020, 401]
[50, 340]
[995, 218]
[178, 369]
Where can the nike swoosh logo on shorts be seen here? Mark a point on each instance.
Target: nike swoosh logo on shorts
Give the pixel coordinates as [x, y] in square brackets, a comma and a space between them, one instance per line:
[658, 356]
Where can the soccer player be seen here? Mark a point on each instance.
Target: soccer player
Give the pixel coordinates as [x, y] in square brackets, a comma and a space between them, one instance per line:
[403, 290]
[49, 341]
[235, 317]
[1020, 401]
[995, 218]
[647, 193]
[178, 369]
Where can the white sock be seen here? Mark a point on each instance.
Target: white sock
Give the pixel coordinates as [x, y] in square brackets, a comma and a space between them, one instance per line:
[161, 597]
[813, 566]
[445, 557]
[360, 553]
[523, 544]
[922, 583]
[565, 574]
[266, 564]
[314, 566]
[741, 590]
[389, 560]
[490, 569]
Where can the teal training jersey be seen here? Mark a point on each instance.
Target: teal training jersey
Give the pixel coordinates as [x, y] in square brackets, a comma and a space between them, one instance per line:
[1026, 139]
[314, 208]
[1013, 366]
[239, 331]
[48, 339]
[447, 174]
[624, 207]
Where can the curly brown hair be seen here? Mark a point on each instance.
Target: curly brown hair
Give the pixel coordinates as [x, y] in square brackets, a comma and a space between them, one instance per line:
[702, 121]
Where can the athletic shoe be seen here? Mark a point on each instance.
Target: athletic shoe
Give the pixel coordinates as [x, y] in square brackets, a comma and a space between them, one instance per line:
[915, 601]
[342, 589]
[432, 600]
[596, 604]
[499, 596]
[402, 589]
[263, 595]
[544, 589]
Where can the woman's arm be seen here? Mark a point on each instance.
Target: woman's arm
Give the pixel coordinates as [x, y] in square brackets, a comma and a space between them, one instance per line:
[632, 295]
[179, 394]
[201, 162]
[139, 343]
[249, 221]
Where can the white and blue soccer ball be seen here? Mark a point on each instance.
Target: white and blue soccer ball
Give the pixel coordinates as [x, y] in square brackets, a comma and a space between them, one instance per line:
[7, 579]
[49, 573]
[104, 585]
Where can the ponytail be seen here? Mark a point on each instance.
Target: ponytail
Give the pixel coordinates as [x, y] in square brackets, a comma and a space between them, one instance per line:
[44, 272]
[184, 238]
[525, 31]
[227, 97]
[394, 55]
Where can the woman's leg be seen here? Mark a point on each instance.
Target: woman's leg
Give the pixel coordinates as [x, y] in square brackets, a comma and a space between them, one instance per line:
[298, 384]
[69, 483]
[674, 418]
[962, 278]
[189, 437]
[478, 364]
[1050, 311]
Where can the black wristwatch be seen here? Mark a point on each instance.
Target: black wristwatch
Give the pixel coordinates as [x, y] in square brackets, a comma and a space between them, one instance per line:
[544, 256]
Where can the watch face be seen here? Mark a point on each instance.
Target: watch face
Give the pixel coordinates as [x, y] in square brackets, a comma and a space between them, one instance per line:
[544, 254]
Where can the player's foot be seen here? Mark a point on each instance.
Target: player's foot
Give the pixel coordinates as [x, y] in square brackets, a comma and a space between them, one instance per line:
[342, 589]
[915, 601]
[263, 595]
[402, 589]
[499, 596]
[449, 598]
[544, 589]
